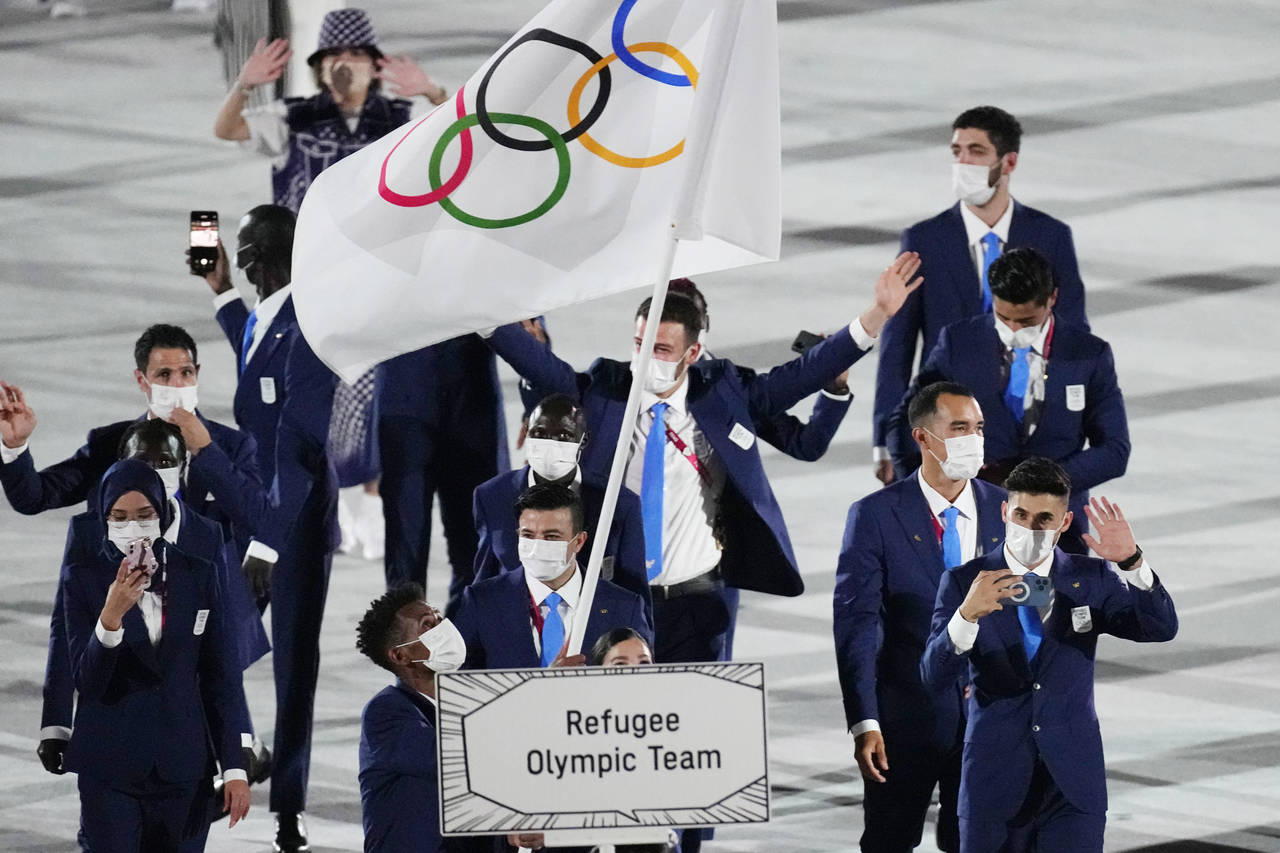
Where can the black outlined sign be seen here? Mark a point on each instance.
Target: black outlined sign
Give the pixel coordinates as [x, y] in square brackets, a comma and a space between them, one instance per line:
[577, 748]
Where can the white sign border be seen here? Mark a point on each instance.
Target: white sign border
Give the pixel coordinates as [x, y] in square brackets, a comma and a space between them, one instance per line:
[463, 812]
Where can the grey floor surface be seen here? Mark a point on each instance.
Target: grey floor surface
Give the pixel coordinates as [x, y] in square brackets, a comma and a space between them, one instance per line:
[1152, 128]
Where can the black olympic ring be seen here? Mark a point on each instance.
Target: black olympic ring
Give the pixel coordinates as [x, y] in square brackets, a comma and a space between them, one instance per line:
[597, 109]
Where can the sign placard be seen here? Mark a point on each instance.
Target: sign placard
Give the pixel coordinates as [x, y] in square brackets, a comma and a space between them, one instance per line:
[566, 748]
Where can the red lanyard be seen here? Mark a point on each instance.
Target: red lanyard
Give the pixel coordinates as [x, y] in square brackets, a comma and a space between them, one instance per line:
[937, 526]
[687, 452]
[535, 613]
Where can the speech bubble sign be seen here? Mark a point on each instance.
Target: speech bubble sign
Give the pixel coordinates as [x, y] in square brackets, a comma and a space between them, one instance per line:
[663, 745]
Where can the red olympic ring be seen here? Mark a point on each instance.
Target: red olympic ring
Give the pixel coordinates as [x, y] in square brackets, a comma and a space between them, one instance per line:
[464, 165]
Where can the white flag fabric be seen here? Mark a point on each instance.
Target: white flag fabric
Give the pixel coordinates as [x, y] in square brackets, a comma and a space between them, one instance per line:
[550, 178]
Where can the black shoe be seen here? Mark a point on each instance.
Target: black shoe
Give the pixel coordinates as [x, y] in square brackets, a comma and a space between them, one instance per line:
[291, 834]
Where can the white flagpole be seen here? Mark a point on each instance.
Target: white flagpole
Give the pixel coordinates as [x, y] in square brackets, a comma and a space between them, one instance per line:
[698, 139]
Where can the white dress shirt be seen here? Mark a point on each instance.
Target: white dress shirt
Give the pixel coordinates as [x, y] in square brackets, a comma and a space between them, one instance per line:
[10, 454]
[568, 593]
[689, 505]
[964, 633]
[975, 229]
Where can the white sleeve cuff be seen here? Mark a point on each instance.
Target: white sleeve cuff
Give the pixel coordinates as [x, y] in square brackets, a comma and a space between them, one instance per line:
[268, 130]
[262, 552]
[963, 633]
[225, 298]
[235, 776]
[861, 336]
[865, 726]
[880, 453]
[55, 733]
[1142, 578]
[839, 398]
[109, 639]
[246, 740]
[11, 454]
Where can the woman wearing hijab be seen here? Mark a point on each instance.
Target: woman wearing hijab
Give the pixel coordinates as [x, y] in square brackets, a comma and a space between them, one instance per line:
[157, 677]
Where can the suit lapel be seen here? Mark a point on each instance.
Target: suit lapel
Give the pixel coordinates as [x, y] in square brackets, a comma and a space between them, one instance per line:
[990, 525]
[913, 513]
[516, 605]
[1071, 588]
[135, 634]
[275, 333]
[966, 285]
[1006, 622]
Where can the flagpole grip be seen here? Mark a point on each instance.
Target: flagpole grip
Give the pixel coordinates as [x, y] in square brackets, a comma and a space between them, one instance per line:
[622, 449]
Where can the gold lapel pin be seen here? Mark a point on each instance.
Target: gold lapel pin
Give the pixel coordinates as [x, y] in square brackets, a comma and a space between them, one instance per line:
[917, 538]
[279, 334]
[604, 610]
[1075, 584]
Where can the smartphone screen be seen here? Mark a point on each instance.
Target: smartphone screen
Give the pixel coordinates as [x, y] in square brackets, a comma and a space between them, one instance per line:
[204, 240]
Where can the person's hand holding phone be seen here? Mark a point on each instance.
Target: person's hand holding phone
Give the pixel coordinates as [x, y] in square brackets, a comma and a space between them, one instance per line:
[123, 594]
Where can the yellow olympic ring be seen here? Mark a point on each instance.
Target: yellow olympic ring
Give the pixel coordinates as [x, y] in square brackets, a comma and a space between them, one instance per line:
[575, 114]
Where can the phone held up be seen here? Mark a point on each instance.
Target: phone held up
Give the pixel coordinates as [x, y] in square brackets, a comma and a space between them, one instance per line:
[141, 556]
[805, 341]
[204, 241]
[1031, 591]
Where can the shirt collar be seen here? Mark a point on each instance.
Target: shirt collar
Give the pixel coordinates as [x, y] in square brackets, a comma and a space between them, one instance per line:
[1018, 569]
[431, 699]
[576, 485]
[171, 535]
[679, 399]
[268, 308]
[975, 229]
[569, 592]
[937, 503]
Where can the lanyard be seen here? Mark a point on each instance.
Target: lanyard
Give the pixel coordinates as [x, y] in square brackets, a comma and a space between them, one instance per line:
[687, 452]
[535, 613]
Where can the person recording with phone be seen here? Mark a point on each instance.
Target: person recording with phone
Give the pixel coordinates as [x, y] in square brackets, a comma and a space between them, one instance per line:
[160, 690]
[159, 444]
[1021, 625]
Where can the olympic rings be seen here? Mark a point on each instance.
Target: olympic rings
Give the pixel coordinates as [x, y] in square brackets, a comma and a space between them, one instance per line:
[588, 142]
[621, 50]
[460, 126]
[438, 192]
[579, 127]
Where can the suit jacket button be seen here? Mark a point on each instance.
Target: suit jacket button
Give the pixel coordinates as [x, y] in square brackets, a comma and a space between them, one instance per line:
[1035, 728]
[1035, 686]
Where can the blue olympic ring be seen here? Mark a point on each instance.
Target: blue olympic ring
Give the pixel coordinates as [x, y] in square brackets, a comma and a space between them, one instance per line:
[629, 59]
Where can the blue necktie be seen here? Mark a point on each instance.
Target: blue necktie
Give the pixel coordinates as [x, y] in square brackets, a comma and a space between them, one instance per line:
[1019, 376]
[950, 538]
[1032, 628]
[247, 341]
[552, 629]
[655, 452]
[990, 251]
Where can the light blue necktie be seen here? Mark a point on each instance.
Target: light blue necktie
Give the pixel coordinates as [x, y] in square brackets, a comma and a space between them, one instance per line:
[950, 538]
[1032, 628]
[990, 251]
[552, 629]
[247, 341]
[655, 452]
[1019, 376]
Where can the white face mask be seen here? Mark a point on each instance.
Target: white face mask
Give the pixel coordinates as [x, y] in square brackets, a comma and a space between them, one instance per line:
[1028, 546]
[552, 459]
[964, 456]
[969, 183]
[543, 558]
[663, 375]
[166, 398]
[1021, 339]
[172, 479]
[444, 642]
[124, 533]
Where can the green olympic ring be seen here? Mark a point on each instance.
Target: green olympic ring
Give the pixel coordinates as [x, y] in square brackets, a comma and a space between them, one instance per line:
[471, 120]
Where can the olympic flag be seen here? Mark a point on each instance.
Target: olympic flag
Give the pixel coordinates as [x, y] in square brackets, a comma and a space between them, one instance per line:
[553, 176]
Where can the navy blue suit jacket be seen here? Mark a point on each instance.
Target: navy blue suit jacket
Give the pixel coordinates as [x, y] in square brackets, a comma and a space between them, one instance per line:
[970, 352]
[142, 707]
[952, 292]
[1020, 710]
[399, 777]
[499, 545]
[196, 535]
[292, 431]
[758, 554]
[76, 479]
[886, 586]
[494, 617]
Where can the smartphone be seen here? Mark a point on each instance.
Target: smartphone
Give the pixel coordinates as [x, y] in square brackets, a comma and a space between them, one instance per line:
[1031, 591]
[805, 341]
[204, 241]
[141, 556]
